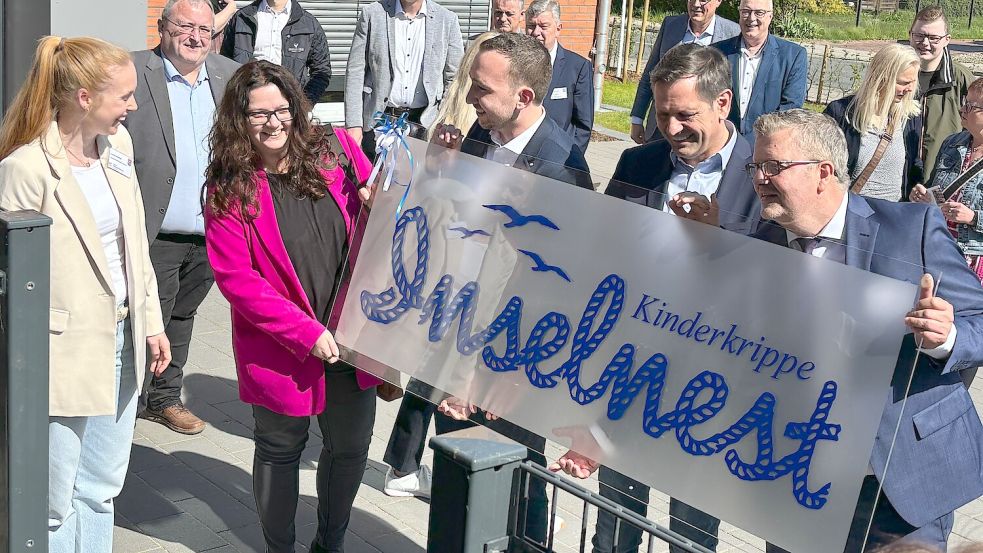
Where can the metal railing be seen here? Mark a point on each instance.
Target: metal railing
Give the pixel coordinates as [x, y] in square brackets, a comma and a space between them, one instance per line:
[481, 496]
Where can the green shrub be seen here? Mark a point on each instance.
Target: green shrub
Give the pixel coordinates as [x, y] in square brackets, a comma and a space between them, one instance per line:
[789, 26]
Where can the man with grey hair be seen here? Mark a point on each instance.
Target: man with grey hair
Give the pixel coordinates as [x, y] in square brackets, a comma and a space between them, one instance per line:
[570, 98]
[695, 171]
[179, 83]
[799, 173]
[507, 16]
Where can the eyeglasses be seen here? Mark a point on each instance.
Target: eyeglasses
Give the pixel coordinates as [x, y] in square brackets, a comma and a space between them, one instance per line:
[700, 2]
[772, 167]
[969, 107]
[746, 13]
[204, 31]
[932, 39]
[262, 117]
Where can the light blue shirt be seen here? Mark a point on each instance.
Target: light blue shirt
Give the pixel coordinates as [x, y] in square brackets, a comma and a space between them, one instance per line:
[192, 113]
[705, 38]
[704, 179]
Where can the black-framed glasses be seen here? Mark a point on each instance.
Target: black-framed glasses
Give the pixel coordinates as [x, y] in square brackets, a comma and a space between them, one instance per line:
[772, 167]
[746, 13]
[204, 31]
[917, 38]
[969, 107]
[262, 116]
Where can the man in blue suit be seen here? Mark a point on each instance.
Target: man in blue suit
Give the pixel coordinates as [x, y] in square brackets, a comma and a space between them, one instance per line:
[935, 466]
[509, 77]
[770, 74]
[699, 24]
[570, 98]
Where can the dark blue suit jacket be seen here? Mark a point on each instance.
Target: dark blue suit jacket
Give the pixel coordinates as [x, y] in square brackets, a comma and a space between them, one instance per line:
[644, 171]
[936, 465]
[570, 100]
[780, 84]
[550, 153]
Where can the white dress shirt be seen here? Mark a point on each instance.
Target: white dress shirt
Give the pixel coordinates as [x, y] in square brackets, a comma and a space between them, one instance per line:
[509, 152]
[704, 179]
[409, 45]
[703, 39]
[832, 246]
[748, 70]
[553, 53]
[269, 32]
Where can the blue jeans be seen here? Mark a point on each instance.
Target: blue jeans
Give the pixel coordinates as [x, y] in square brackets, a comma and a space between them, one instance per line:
[87, 460]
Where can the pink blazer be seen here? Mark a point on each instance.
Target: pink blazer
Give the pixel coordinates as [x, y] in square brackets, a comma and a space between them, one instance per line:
[273, 324]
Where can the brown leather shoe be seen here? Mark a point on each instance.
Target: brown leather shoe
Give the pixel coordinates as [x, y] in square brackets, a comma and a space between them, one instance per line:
[177, 418]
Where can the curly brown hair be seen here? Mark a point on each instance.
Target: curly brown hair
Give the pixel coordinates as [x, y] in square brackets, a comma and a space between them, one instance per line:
[230, 177]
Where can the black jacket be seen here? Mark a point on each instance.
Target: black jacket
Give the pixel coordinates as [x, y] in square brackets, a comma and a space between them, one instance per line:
[550, 153]
[644, 171]
[305, 47]
[913, 171]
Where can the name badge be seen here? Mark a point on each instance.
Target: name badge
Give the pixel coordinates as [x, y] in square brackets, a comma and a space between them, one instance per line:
[295, 49]
[120, 162]
[559, 94]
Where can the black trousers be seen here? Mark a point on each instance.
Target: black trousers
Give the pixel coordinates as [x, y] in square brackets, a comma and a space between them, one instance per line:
[409, 436]
[346, 428]
[184, 278]
[537, 520]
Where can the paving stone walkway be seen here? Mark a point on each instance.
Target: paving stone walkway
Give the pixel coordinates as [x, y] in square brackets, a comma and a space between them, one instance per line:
[194, 493]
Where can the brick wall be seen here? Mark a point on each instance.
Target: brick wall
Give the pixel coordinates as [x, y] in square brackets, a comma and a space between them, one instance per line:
[154, 8]
[578, 25]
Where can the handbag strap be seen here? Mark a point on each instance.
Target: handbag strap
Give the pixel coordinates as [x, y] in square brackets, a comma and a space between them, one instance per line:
[885, 141]
[956, 185]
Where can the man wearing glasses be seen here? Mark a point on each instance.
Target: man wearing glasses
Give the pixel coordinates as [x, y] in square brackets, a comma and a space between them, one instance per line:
[699, 24]
[942, 82]
[178, 86]
[769, 74]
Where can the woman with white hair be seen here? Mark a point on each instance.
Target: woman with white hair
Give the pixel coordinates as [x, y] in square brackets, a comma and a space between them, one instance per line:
[881, 123]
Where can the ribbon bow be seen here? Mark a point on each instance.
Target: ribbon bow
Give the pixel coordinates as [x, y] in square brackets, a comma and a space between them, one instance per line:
[390, 139]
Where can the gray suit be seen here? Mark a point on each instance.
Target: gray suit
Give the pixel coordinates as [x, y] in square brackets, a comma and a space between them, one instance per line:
[370, 74]
[670, 34]
[152, 127]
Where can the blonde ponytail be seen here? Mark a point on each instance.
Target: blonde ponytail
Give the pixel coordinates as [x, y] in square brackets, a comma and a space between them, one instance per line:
[61, 67]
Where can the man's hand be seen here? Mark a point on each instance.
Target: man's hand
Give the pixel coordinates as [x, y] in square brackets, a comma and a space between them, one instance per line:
[920, 194]
[956, 212]
[575, 465]
[638, 133]
[699, 208]
[160, 353]
[326, 348]
[931, 319]
[447, 136]
[355, 133]
[456, 408]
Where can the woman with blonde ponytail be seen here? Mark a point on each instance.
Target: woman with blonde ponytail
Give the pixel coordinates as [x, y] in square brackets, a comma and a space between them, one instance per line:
[64, 152]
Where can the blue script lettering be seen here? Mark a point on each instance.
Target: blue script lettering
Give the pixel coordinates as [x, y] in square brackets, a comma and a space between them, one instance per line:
[702, 399]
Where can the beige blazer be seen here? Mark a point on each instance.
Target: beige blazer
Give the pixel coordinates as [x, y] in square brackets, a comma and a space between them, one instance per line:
[82, 327]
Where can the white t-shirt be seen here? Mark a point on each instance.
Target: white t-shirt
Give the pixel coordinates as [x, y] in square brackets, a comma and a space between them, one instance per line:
[105, 211]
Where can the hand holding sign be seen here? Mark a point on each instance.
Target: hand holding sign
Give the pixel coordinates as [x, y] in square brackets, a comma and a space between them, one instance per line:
[931, 319]
[696, 207]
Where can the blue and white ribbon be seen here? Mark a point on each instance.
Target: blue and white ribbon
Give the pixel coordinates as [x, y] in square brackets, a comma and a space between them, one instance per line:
[390, 140]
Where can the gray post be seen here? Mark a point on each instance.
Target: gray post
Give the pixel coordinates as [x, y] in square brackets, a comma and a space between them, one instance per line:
[24, 302]
[22, 23]
[472, 487]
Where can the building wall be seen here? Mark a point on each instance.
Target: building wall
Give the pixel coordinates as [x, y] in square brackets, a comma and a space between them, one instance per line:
[578, 25]
[154, 7]
[100, 18]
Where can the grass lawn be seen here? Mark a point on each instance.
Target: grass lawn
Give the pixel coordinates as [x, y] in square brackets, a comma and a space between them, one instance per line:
[888, 26]
[619, 93]
[614, 120]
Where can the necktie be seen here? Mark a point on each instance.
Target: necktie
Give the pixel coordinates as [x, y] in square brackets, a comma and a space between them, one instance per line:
[806, 245]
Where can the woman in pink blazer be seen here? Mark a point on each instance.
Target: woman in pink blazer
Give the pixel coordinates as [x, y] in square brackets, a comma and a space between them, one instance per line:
[279, 217]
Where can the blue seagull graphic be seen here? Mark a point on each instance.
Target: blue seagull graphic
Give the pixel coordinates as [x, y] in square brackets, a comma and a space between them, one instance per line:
[467, 233]
[518, 219]
[542, 267]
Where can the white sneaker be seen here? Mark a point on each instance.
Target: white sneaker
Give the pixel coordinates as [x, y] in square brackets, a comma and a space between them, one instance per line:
[413, 484]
